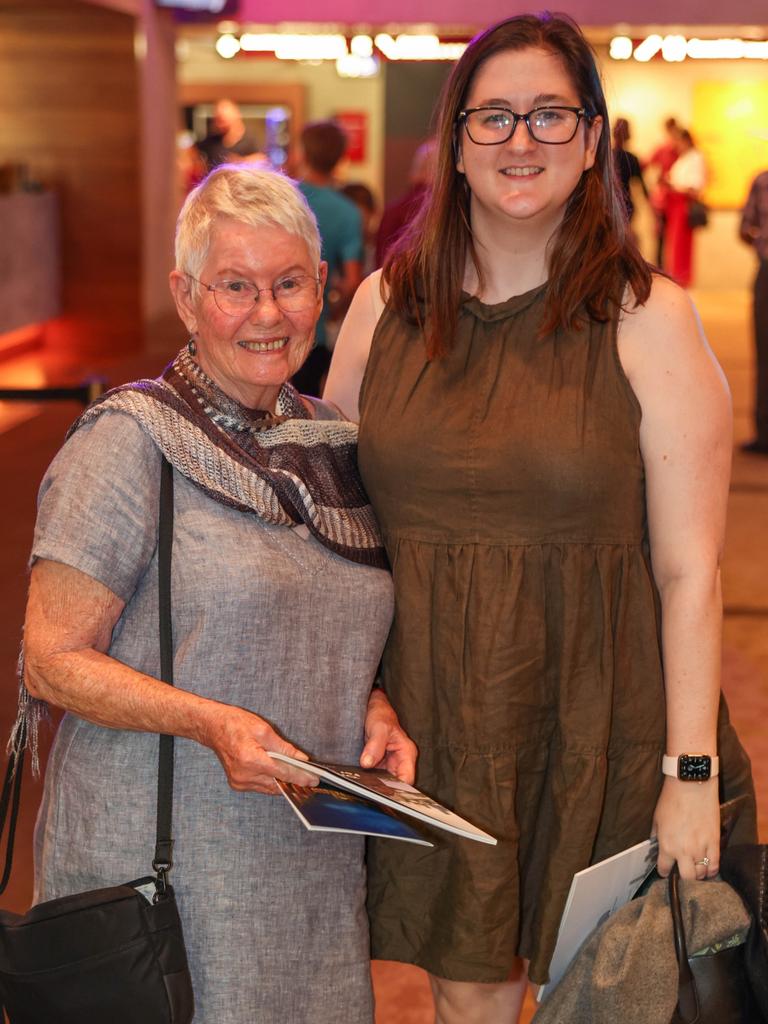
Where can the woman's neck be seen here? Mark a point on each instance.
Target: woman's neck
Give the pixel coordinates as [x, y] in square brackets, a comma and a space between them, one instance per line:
[512, 257]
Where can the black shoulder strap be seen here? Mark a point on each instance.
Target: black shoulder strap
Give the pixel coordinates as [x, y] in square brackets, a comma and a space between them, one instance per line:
[11, 795]
[164, 844]
[11, 792]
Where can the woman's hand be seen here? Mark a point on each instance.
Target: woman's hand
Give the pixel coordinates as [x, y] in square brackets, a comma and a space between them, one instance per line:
[687, 823]
[386, 744]
[69, 624]
[241, 741]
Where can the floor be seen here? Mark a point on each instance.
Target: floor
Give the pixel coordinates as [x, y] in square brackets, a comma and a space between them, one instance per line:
[30, 435]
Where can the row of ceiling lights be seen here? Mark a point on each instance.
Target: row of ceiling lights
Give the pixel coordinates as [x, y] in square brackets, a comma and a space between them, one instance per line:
[359, 57]
[677, 48]
[356, 57]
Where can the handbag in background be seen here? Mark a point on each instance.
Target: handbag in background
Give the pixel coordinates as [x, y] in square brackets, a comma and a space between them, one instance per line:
[712, 986]
[113, 955]
[744, 867]
[698, 214]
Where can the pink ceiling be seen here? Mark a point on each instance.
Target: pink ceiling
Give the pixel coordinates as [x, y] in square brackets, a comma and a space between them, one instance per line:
[484, 12]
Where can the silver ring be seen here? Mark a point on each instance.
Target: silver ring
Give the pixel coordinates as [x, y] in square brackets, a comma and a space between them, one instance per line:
[704, 862]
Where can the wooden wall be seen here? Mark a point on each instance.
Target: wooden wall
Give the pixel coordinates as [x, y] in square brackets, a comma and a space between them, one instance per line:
[69, 108]
[412, 92]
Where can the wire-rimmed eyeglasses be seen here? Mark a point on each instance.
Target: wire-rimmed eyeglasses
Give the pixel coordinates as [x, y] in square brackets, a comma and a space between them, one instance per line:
[237, 297]
[490, 125]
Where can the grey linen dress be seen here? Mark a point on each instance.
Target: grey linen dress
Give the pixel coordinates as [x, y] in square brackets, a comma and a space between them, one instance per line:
[274, 915]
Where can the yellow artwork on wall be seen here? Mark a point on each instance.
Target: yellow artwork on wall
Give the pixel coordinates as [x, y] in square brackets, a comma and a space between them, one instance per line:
[730, 127]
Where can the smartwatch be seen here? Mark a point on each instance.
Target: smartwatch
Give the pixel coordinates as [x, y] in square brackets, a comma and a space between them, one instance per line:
[691, 767]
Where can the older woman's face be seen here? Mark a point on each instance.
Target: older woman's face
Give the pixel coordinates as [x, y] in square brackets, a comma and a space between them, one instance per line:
[252, 353]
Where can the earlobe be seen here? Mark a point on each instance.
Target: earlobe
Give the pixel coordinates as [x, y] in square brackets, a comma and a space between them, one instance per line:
[594, 132]
[182, 296]
[323, 274]
[458, 158]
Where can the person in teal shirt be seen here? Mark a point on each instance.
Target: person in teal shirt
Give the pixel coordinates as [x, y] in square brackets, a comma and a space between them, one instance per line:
[323, 145]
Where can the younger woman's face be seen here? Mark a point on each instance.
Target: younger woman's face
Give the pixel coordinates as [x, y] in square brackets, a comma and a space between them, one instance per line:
[522, 180]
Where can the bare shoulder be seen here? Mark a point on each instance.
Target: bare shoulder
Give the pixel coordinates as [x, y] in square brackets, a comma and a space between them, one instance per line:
[673, 372]
[667, 311]
[353, 346]
[664, 335]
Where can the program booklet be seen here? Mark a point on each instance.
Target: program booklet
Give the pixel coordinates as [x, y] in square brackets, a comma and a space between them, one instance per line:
[383, 788]
[327, 809]
[595, 893]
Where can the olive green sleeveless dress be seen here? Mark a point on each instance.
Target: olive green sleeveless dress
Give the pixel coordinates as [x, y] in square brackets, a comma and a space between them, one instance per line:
[524, 658]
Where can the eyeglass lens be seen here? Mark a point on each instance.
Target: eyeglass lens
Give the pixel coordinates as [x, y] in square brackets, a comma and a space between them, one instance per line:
[493, 125]
[292, 294]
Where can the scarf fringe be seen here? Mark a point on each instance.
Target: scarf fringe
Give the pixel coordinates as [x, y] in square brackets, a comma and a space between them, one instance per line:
[30, 713]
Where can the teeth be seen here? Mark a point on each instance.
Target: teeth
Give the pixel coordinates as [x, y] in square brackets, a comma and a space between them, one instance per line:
[521, 172]
[263, 346]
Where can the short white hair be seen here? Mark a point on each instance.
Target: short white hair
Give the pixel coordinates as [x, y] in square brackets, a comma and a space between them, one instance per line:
[248, 194]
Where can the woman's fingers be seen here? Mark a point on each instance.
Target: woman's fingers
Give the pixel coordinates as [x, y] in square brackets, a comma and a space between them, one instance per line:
[687, 823]
[242, 741]
[387, 745]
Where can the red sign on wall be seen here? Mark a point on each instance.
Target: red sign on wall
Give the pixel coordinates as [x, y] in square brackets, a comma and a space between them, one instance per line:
[355, 124]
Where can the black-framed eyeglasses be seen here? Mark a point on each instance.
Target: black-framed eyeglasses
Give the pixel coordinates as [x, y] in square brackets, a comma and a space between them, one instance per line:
[237, 297]
[490, 126]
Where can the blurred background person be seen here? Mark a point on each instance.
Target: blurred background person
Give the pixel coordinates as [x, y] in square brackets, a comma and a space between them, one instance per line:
[402, 210]
[323, 145]
[228, 141]
[660, 162]
[754, 231]
[687, 178]
[365, 201]
[627, 165]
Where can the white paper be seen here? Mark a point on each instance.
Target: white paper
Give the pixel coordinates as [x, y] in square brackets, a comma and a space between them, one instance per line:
[596, 893]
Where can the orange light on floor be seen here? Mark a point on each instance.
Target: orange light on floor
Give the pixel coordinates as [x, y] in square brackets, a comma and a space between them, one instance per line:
[29, 336]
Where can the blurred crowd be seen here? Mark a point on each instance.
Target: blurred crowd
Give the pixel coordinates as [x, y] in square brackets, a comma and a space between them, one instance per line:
[357, 233]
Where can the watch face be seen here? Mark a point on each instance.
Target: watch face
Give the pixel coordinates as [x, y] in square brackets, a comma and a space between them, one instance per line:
[694, 767]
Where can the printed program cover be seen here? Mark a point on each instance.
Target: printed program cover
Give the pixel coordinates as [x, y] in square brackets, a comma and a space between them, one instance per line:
[326, 809]
[383, 788]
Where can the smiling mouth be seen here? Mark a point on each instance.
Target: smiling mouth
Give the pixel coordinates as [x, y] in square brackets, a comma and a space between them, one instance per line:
[521, 172]
[264, 346]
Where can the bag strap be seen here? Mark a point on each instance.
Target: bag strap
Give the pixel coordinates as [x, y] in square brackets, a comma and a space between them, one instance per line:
[10, 797]
[163, 859]
[687, 996]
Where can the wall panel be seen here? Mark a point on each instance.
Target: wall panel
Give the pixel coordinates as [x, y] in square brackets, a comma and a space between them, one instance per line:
[69, 110]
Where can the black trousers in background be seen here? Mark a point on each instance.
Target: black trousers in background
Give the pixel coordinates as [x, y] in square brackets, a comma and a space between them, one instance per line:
[761, 353]
[310, 379]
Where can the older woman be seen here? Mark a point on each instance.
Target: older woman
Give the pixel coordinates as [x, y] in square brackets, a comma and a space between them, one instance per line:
[281, 606]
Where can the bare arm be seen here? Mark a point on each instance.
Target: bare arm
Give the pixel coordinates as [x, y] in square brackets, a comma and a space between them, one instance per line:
[353, 345]
[685, 438]
[68, 626]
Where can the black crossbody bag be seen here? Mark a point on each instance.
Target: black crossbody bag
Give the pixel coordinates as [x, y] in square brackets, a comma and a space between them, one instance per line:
[114, 955]
[727, 986]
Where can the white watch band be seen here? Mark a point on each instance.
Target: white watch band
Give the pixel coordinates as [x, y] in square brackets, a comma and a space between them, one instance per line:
[669, 766]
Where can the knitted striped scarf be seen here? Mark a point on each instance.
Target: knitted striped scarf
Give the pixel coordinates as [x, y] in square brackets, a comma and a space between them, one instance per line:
[286, 468]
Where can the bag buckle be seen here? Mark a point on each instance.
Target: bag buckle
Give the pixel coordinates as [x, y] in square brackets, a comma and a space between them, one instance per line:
[161, 868]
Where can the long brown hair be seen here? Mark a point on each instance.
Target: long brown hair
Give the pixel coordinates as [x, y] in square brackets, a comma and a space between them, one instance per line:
[591, 258]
